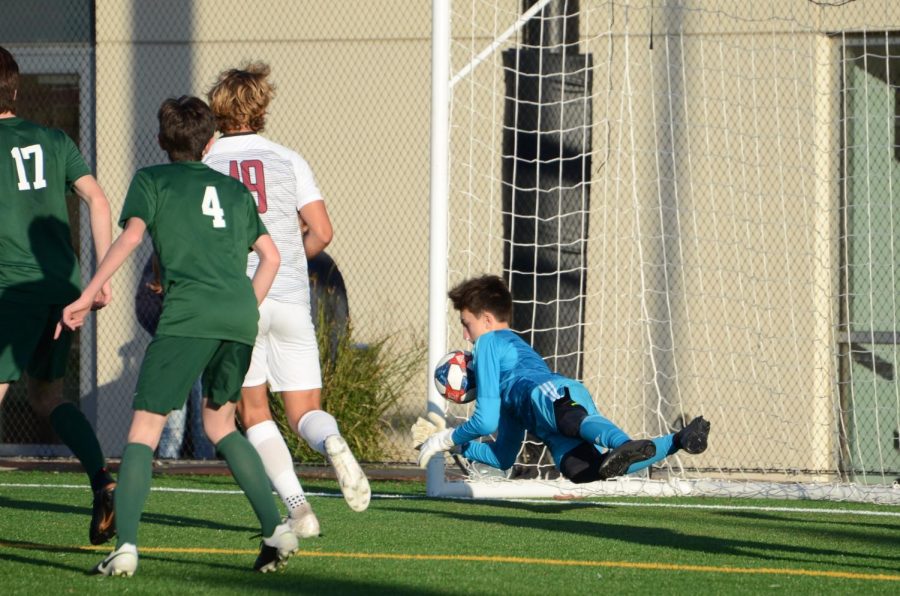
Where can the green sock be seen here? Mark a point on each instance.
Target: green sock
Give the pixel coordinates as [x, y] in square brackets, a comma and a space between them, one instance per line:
[135, 472]
[76, 432]
[247, 469]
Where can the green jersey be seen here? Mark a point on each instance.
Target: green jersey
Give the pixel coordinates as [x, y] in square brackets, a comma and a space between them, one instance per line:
[203, 226]
[38, 166]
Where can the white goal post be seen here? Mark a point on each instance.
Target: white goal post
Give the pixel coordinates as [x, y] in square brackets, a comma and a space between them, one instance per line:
[694, 205]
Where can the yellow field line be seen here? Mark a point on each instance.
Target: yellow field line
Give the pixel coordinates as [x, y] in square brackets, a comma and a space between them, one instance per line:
[484, 559]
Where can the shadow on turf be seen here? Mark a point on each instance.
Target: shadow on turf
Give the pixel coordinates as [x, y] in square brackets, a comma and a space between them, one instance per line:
[661, 537]
[856, 530]
[299, 577]
[146, 517]
[43, 548]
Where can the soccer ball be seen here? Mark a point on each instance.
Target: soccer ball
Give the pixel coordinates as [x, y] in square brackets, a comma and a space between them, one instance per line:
[453, 377]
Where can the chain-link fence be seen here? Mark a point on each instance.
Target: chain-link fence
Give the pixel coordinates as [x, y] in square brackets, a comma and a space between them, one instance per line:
[741, 165]
[352, 97]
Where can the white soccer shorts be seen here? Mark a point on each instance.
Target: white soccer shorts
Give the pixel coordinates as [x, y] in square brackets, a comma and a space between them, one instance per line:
[286, 354]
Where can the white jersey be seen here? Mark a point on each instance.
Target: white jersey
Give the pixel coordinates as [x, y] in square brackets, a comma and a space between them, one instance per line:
[282, 183]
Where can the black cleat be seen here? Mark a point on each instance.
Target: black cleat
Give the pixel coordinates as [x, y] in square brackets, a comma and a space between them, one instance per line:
[616, 461]
[693, 437]
[275, 550]
[103, 517]
[267, 560]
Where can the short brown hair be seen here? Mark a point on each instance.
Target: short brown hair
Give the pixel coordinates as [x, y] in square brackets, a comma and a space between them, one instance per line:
[9, 81]
[186, 125]
[241, 96]
[486, 293]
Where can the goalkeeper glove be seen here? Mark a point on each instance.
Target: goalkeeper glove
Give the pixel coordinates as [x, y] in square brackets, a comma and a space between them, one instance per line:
[440, 441]
[423, 429]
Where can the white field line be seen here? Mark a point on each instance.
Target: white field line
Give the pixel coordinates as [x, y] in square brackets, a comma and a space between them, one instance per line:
[569, 503]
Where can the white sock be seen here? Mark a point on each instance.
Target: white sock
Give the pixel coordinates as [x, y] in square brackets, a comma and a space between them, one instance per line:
[315, 426]
[276, 458]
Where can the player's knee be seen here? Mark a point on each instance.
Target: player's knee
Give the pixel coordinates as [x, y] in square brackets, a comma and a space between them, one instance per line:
[569, 415]
[297, 404]
[217, 429]
[581, 464]
[44, 398]
[252, 413]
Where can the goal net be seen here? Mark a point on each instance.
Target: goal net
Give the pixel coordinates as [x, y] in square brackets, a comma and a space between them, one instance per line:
[693, 204]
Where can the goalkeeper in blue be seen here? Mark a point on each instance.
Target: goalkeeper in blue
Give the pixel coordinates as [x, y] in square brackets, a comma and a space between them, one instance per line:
[518, 392]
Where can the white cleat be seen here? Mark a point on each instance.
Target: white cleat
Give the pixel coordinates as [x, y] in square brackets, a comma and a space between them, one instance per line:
[351, 477]
[303, 522]
[276, 549]
[122, 562]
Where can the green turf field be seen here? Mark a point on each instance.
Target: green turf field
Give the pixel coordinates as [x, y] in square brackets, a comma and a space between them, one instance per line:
[197, 537]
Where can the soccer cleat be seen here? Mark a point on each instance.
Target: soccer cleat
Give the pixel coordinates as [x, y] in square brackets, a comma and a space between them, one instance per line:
[121, 562]
[351, 477]
[103, 517]
[276, 549]
[616, 461]
[693, 437]
[303, 522]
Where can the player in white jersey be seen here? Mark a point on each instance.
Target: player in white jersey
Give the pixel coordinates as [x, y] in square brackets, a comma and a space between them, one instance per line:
[286, 354]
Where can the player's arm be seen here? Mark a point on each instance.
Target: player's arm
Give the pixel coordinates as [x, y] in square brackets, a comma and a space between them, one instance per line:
[269, 261]
[155, 284]
[485, 419]
[316, 227]
[89, 191]
[73, 315]
[499, 454]
[502, 452]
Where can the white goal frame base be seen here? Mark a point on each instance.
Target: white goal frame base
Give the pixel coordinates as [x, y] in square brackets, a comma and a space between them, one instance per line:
[640, 487]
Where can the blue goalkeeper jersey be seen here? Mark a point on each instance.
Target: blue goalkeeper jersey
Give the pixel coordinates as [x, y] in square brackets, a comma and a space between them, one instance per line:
[516, 390]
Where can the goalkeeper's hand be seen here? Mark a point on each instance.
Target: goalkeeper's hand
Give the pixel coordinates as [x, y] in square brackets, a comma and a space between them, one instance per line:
[424, 428]
[440, 441]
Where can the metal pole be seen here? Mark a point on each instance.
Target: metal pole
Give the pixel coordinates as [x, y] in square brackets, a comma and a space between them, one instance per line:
[440, 188]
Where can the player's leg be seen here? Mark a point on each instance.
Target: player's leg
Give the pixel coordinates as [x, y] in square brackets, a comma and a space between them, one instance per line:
[222, 381]
[46, 369]
[690, 439]
[320, 430]
[577, 416]
[263, 433]
[20, 327]
[74, 430]
[135, 472]
[170, 366]
[294, 371]
[243, 460]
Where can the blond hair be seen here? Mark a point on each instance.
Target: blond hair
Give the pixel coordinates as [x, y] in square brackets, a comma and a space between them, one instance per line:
[241, 96]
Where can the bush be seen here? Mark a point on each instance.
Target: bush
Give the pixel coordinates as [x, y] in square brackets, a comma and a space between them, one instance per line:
[360, 385]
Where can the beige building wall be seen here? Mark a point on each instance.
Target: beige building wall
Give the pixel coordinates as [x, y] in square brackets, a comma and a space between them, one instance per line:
[714, 196]
[353, 98]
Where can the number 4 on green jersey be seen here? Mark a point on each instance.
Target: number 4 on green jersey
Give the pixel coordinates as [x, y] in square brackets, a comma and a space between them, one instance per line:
[212, 208]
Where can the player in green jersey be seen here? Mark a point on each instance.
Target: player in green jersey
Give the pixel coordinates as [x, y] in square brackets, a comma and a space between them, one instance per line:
[203, 225]
[39, 274]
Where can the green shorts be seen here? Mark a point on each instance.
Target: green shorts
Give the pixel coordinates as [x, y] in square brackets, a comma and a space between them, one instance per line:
[26, 341]
[172, 364]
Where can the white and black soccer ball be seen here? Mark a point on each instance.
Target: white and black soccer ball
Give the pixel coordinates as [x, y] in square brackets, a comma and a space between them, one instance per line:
[454, 378]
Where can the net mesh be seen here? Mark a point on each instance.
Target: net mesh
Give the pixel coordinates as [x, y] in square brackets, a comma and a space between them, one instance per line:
[693, 205]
